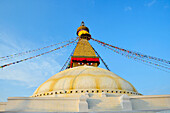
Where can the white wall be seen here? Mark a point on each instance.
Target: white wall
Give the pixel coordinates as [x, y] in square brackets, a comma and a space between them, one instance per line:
[87, 104]
[2, 106]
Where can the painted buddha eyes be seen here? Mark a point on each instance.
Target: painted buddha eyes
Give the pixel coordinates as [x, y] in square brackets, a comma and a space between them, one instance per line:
[81, 63]
[90, 64]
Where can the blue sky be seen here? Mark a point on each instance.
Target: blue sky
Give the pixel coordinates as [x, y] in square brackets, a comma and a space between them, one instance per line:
[138, 25]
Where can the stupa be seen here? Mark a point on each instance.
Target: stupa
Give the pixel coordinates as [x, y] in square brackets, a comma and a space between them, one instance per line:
[84, 87]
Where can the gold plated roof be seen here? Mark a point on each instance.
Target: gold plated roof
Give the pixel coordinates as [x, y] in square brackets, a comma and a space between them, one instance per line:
[84, 49]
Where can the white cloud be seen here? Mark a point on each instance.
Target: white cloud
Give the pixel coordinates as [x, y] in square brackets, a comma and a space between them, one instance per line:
[150, 3]
[128, 8]
[29, 73]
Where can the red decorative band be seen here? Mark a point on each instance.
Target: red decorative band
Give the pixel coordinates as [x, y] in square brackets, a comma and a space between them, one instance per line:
[84, 59]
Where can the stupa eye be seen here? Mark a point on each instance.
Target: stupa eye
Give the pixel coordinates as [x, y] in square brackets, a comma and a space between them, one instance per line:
[89, 63]
[80, 63]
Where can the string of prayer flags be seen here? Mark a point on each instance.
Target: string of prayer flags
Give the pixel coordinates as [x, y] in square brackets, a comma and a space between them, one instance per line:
[38, 55]
[133, 53]
[31, 51]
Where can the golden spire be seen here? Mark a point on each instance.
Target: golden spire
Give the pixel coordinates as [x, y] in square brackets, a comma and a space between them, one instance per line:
[84, 53]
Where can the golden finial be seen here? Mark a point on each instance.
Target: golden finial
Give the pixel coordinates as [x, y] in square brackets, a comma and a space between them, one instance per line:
[83, 31]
